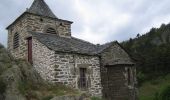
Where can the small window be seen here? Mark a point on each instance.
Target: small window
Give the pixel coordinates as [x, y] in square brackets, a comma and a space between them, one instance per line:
[83, 80]
[129, 76]
[16, 41]
[51, 31]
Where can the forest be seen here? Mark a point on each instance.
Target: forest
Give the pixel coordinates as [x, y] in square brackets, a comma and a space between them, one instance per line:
[151, 52]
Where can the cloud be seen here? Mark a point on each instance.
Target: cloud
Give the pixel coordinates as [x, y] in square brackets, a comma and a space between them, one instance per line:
[97, 21]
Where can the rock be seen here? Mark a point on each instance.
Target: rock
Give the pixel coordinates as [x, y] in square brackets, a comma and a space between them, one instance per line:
[12, 77]
[29, 73]
[12, 73]
[15, 73]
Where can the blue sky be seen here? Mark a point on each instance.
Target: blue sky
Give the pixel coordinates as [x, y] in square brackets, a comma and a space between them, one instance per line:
[96, 21]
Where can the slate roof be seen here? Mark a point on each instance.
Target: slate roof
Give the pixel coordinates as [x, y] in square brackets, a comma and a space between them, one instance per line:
[70, 45]
[39, 7]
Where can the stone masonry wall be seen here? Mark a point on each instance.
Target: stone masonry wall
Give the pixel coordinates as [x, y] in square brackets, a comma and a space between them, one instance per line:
[30, 22]
[43, 60]
[67, 71]
[64, 68]
[19, 27]
[115, 62]
[41, 24]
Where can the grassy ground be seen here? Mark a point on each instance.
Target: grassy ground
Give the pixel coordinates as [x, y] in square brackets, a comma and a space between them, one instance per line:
[44, 91]
[149, 89]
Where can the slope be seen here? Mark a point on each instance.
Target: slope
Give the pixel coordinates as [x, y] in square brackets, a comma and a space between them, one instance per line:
[151, 51]
[19, 81]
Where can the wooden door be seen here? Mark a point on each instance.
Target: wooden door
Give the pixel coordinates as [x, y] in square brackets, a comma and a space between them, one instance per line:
[30, 50]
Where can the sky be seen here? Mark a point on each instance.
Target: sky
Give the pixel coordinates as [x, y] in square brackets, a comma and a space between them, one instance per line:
[96, 21]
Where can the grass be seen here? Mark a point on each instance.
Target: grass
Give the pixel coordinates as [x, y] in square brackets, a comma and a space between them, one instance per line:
[95, 98]
[5, 60]
[44, 91]
[34, 89]
[27, 86]
[47, 97]
[149, 89]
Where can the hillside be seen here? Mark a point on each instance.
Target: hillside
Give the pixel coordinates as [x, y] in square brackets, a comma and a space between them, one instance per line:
[19, 81]
[152, 54]
[153, 88]
[151, 51]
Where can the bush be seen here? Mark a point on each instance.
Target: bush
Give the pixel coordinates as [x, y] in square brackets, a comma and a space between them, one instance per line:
[165, 94]
[141, 78]
[156, 97]
[2, 86]
[95, 98]
[48, 97]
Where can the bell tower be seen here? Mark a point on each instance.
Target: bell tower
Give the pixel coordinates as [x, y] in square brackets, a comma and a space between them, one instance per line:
[38, 18]
[44, 20]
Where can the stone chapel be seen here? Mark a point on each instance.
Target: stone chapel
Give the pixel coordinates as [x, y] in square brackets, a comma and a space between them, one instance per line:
[45, 41]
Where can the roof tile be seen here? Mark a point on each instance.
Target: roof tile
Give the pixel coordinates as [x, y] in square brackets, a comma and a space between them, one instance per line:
[39, 7]
[72, 44]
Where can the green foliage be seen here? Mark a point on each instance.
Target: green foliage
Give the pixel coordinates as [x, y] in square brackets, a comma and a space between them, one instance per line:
[156, 97]
[48, 97]
[24, 87]
[141, 77]
[44, 91]
[151, 52]
[2, 86]
[5, 60]
[151, 90]
[165, 94]
[95, 98]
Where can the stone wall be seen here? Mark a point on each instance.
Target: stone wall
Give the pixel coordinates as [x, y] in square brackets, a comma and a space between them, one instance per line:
[114, 64]
[115, 55]
[67, 71]
[41, 24]
[29, 22]
[20, 28]
[43, 60]
[64, 68]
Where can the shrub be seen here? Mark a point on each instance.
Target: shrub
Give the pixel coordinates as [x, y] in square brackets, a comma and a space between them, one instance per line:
[156, 97]
[141, 78]
[2, 86]
[165, 94]
[95, 98]
[48, 97]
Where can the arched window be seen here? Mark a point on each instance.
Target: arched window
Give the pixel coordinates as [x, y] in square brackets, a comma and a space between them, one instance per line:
[51, 31]
[16, 41]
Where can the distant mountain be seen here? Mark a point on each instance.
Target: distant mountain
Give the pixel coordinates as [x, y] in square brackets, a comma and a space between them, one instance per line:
[151, 51]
